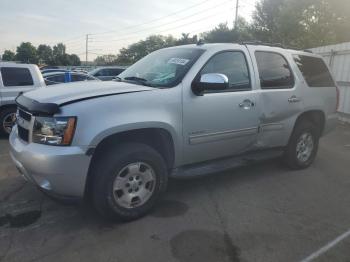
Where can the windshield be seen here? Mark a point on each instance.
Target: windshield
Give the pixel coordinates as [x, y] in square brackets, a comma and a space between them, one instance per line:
[162, 68]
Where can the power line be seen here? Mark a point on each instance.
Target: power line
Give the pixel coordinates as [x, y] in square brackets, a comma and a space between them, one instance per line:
[162, 31]
[177, 20]
[157, 19]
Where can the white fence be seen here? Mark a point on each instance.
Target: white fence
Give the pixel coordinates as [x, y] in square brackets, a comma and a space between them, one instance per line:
[338, 59]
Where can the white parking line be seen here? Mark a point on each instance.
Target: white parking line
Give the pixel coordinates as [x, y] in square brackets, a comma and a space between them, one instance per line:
[326, 247]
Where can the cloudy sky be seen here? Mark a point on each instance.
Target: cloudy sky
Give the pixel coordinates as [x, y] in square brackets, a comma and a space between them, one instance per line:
[112, 24]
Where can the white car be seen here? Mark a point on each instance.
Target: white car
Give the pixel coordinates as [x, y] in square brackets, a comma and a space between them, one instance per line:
[15, 79]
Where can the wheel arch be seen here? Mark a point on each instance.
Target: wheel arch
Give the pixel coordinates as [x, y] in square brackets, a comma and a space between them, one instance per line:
[159, 139]
[316, 117]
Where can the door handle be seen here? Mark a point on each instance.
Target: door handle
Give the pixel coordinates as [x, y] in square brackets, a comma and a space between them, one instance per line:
[246, 104]
[293, 99]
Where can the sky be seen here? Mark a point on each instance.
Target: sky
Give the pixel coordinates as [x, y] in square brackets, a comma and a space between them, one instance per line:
[111, 24]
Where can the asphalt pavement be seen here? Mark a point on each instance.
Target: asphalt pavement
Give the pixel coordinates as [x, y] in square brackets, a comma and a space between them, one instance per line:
[263, 212]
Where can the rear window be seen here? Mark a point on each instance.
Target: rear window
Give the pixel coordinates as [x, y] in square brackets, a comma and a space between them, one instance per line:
[314, 70]
[15, 76]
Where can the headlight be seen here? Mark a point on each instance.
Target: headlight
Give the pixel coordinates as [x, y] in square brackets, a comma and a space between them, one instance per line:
[58, 131]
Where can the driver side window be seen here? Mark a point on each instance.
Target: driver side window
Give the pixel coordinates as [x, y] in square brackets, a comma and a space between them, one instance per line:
[233, 64]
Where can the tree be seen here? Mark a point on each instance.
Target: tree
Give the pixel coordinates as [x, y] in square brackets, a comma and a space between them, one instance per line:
[106, 60]
[74, 60]
[136, 51]
[45, 54]
[186, 39]
[223, 34]
[302, 24]
[26, 53]
[8, 55]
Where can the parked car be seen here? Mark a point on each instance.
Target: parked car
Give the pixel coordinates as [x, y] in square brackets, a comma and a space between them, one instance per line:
[66, 77]
[53, 70]
[181, 111]
[14, 79]
[107, 73]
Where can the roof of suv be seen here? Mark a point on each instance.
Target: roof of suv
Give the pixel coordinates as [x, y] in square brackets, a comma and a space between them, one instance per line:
[220, 46]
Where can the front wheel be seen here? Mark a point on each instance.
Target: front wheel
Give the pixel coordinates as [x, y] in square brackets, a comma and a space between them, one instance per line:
[128, 181]
[7, 120]
[302, 147]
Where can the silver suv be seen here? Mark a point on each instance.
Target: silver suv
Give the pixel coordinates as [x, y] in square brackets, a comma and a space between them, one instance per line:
[182, 111]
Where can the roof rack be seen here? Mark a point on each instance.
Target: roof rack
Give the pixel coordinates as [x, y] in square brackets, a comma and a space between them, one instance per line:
[261, 43]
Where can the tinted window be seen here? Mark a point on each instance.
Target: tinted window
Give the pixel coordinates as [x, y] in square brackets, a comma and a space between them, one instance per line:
[56, 79]
[314, 70]
[78, 78]
[12, 76]
[233, 65]
[274, 71]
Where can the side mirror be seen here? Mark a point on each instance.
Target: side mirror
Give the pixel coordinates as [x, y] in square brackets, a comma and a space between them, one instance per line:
[210, 82]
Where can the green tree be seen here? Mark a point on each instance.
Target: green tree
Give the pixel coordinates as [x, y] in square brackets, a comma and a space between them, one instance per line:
[26, 53]
[45, 54]
[302, 24]
[106, 60]
[142, 48]
[186, 39]
[8, 55]
[223, 34]
[74, 60]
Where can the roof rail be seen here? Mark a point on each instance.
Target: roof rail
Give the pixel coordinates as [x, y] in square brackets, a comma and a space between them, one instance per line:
[261, 43]
[308, 51]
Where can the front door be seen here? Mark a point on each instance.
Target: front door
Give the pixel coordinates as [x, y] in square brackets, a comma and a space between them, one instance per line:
[221, 123]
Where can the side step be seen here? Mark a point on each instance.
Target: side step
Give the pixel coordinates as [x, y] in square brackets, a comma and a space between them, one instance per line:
[220, 165]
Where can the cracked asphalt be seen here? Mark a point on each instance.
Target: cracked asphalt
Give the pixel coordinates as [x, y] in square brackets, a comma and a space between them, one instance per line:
[263, 212]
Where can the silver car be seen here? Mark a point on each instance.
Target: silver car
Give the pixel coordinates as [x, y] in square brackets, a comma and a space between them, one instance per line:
[182, 111]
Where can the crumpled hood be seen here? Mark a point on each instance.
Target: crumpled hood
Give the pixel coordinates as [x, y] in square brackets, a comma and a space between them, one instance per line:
[66, 93]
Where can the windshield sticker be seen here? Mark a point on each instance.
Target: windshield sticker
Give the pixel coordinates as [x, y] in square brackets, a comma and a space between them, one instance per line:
[178, 61]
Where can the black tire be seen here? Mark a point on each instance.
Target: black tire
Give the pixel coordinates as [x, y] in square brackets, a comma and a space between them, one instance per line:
[3, 114]
[290, 155]
[110, 165]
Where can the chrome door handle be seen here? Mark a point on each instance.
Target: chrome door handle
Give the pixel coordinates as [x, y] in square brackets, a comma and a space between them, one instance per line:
[293, 99]
[246, 104]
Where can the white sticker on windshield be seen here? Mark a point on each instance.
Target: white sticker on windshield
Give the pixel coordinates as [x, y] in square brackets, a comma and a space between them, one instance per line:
[178, 61]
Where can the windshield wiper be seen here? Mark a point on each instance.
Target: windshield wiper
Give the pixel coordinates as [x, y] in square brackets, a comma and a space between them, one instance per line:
[140, 80]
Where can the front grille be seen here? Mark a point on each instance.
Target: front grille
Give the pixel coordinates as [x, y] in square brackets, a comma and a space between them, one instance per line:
[23, 134]
[24, 115]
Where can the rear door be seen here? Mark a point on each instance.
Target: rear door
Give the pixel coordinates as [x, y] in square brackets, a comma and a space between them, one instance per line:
[14, 81]
[280, 95]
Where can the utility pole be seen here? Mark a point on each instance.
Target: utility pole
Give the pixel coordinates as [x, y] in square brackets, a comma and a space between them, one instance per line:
[236, 17]
[87, 49]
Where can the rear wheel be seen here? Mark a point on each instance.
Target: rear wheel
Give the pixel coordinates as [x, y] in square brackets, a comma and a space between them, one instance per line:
[7, 120]
[302, 147]
[128, 181]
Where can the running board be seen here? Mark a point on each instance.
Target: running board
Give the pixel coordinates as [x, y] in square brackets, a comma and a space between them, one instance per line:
[221, 165]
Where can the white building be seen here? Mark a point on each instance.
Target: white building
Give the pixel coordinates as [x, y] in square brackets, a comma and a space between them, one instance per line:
[338, 59]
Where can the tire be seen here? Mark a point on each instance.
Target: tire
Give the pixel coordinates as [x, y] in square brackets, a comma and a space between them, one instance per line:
[304, 131]
[131, 160]
[4, 116]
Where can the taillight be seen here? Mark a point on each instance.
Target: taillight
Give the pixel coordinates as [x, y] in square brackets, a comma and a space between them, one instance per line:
[338, 98]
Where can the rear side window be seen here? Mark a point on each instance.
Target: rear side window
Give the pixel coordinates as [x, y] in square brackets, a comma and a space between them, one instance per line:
[15, 76]
[314, 70]
[274, 71]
